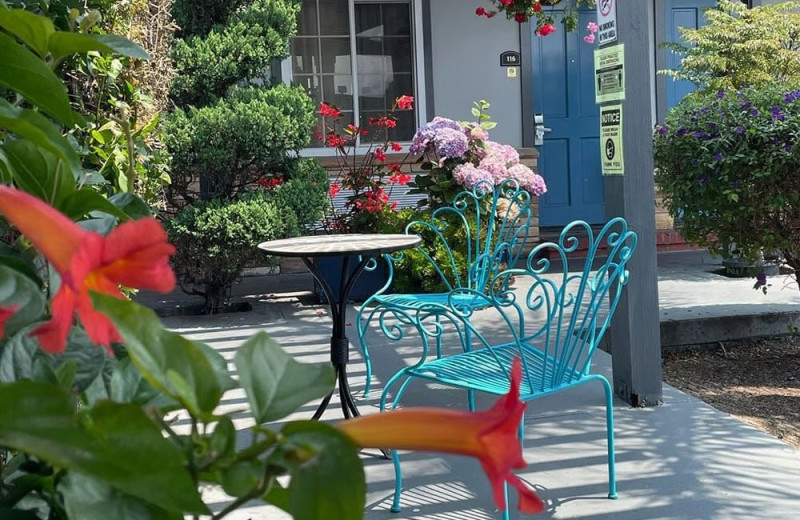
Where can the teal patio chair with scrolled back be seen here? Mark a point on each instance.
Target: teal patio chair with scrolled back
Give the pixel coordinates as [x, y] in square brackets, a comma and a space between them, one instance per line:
[492, 225]
[552, 319]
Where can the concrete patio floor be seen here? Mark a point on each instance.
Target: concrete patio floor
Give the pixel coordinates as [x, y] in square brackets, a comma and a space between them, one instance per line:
[681, 460]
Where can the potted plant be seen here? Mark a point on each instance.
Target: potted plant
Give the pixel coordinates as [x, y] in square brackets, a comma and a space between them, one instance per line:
[360, 193]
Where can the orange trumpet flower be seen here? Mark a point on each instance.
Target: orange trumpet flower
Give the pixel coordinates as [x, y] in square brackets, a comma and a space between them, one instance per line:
[489, 436]
[135, 254]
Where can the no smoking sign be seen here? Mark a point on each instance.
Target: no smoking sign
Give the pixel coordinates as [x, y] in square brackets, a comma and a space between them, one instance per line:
[606, 21]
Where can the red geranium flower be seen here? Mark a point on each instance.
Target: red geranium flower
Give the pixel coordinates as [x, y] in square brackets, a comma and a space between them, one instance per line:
[405, 102]
[329, 110]
[380, 155]
[546, 29]
[334, 189]
[135, 254]
[396, 147]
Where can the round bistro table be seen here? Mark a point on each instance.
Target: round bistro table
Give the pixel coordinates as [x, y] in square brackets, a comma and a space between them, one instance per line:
[359, 247]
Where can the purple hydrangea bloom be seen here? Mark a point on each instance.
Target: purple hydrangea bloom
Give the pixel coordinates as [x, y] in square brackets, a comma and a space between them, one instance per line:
[450, 143]
[426, 133]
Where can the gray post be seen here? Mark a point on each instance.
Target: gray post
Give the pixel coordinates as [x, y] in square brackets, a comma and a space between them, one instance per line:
[635, 330]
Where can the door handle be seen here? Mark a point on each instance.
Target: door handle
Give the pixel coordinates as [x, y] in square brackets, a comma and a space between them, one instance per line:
[539, 129]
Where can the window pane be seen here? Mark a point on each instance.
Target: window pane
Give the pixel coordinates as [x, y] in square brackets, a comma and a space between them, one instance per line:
[396, 20]
[305, 58]
[399, 48]
[338, 90]
[384, 65]
[334, 18]
[336, 55]
[307, 19]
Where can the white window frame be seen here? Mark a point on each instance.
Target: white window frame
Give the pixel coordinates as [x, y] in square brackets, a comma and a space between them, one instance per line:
[418, 46]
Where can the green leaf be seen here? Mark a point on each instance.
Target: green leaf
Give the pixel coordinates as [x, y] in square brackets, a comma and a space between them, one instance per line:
[159, 478]
[27, 75]
[38, 171]
[475, 112]
[324, 465]
[90, 499]
[276, 384]
[39, 130]
[84, 201]
[40, 420]
[19, 353]
[32, 29]
[17, 289]
[132, 205]
[62, 44]
[223, 440]
[129, 386]
[220, 365]
[88, 358]
[7, 513]
[18, 261]
[241, 478]
[169, 362]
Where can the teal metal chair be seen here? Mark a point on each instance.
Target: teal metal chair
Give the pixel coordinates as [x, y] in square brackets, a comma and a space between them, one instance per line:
[494, 221]
[553, 322]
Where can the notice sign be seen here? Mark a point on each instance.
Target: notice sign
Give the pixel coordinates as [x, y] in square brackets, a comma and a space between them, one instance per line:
[606, 21]
[611, 140]
[609, 73]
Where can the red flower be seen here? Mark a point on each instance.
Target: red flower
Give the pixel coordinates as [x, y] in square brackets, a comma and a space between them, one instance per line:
[270, 183]
[489, 436]
[521, 17]
[380, 155]
[480, 11]
[399, 178]
[334, 189]
[5, 315]
[329, 110]
[506, 3]
[334, 141]
[546, 29]
[537, 7]
[405, 102]
[396, 147]
[135, 254]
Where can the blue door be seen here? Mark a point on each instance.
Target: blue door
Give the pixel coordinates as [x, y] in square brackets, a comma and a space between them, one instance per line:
[569, 161]
[687, 14]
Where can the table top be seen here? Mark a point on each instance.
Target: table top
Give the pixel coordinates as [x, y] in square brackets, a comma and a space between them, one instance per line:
[337, 245]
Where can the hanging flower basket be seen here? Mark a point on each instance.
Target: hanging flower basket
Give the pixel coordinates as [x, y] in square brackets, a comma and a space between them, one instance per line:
[541, 12]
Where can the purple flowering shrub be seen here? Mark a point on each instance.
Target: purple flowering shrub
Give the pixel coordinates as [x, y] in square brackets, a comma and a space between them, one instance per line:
[459, 155]
[727, 165]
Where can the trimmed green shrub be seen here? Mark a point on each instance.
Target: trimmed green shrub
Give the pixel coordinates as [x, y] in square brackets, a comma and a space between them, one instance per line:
[238, 140]
[216, 239]
[241, 50]
[727, 166]
[305, 192]
[197, 17]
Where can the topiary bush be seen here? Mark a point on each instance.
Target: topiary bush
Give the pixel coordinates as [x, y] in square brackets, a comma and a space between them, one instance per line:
[727, 166]
[216, 239]
[236, 141]
[304, 192]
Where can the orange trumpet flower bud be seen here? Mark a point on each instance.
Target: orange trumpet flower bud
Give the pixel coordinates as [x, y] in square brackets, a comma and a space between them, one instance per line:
[489, 436]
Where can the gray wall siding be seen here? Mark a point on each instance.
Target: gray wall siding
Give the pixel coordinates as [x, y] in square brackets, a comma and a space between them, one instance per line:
[465, 53]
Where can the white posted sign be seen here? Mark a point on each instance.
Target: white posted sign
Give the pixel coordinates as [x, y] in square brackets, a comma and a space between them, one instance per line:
[606, 21]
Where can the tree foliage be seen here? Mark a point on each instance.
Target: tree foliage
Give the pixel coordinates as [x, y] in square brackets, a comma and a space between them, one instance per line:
[741, 47]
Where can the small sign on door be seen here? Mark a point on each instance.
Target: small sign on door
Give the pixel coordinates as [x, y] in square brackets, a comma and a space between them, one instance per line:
[612, 158]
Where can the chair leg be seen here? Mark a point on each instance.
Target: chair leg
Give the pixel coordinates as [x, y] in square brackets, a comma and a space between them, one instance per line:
[438, 336]
[398, 473]
[467, 348]
[363, 327]
[612, 473]
[506, 514]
